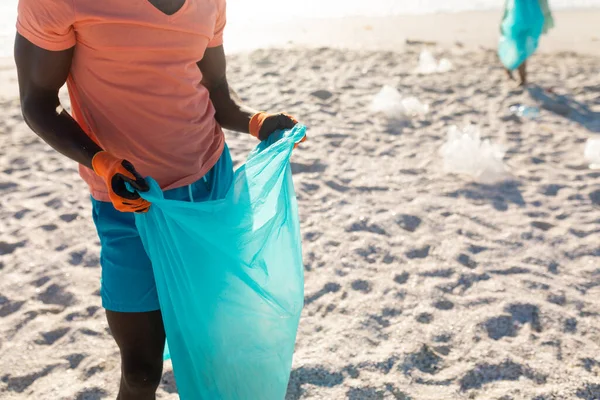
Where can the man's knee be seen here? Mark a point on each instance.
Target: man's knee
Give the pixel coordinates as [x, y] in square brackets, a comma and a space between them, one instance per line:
[142, 377]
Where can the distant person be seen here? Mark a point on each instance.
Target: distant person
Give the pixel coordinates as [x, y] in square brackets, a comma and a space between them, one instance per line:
[149, 96]
[523, 22]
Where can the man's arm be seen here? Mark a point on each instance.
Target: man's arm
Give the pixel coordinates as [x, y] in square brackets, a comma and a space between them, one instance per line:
[230, 112]
[41, 75]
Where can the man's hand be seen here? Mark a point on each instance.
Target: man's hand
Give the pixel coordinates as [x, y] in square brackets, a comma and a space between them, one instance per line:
[116, 173]
[262, 125]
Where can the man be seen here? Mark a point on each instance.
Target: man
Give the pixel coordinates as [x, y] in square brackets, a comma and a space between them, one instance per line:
[147, 84]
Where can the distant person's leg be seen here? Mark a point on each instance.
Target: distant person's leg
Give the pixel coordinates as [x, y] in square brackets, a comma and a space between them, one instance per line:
[523, 74]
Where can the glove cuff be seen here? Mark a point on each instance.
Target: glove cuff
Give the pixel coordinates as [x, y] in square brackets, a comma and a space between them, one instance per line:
[103, 162]
[256, 123]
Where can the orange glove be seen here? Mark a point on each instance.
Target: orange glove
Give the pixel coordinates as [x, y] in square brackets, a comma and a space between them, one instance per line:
[116, 173]
[262, 125]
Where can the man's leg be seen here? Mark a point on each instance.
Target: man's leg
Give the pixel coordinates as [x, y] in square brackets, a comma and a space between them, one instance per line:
[141, 339]
[131, 302]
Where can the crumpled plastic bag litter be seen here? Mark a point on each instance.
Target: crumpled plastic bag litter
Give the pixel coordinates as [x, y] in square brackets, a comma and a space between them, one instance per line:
[465, 153]
[592, 153]
[390, 103]
[429, 65]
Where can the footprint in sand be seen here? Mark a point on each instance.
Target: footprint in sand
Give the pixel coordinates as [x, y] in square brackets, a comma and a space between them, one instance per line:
[75, 359]
[49, 338]
[8, 248]
[591, 391]
[363, 225]
[312, 236]
[466, 261]
[402, 278]
[330, 287]
[314, 167]
[551, 190]
[444, 305]
[464, 283]
[510, 271]
[424, 318]
[384, 318]
[438, 273]
[364, 393]
[499, 327]
[595, 197]
[95, 393]
[442, 338]
[558, 299]
[22, 213]
[20, 383]
[419, 252]
[55, 203]
[506, 371]
[509, 325]
[7, 186]
[409, 223]
[317, 375]
[81, 257]
[541, 225]
[80, 316]
[570, 325]
[9, 307]
[89, 332]
[49, 227]
[94, 370]
[57, 295]
[168, 382]
[425, 360]
[40, 281]
[68, 217]
[474, 249]
[361, 286]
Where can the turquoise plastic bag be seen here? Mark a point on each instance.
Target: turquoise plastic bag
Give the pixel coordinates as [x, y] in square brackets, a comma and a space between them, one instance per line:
[521, 29]
[230, 279]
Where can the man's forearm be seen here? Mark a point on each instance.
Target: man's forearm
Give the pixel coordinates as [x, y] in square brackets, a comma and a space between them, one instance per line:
[231, 113]
[57, 128]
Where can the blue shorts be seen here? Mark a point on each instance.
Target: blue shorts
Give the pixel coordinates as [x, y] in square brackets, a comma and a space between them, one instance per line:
[127, 277]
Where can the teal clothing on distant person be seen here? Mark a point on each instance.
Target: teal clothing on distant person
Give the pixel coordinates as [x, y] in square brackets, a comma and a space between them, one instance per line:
[523, 22]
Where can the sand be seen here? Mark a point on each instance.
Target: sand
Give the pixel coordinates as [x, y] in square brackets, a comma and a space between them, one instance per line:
[419, 284]
[576, 30]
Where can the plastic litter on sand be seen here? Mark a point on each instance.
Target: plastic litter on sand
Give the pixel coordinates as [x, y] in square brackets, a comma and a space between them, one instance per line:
[390, 103]
[429, 65]
[592, 153]
[521, 110]
[465, 153]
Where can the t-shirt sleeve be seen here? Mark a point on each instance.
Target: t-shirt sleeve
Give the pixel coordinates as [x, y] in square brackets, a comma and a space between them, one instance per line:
[47, 23]
[217, 39]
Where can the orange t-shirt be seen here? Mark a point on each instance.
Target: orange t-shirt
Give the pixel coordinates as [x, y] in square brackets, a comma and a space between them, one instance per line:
[134, 83]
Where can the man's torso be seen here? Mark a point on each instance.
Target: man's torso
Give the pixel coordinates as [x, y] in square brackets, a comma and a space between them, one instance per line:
[135, 86]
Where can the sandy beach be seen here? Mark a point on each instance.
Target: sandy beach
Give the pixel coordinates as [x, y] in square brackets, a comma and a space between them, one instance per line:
[420, 284]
